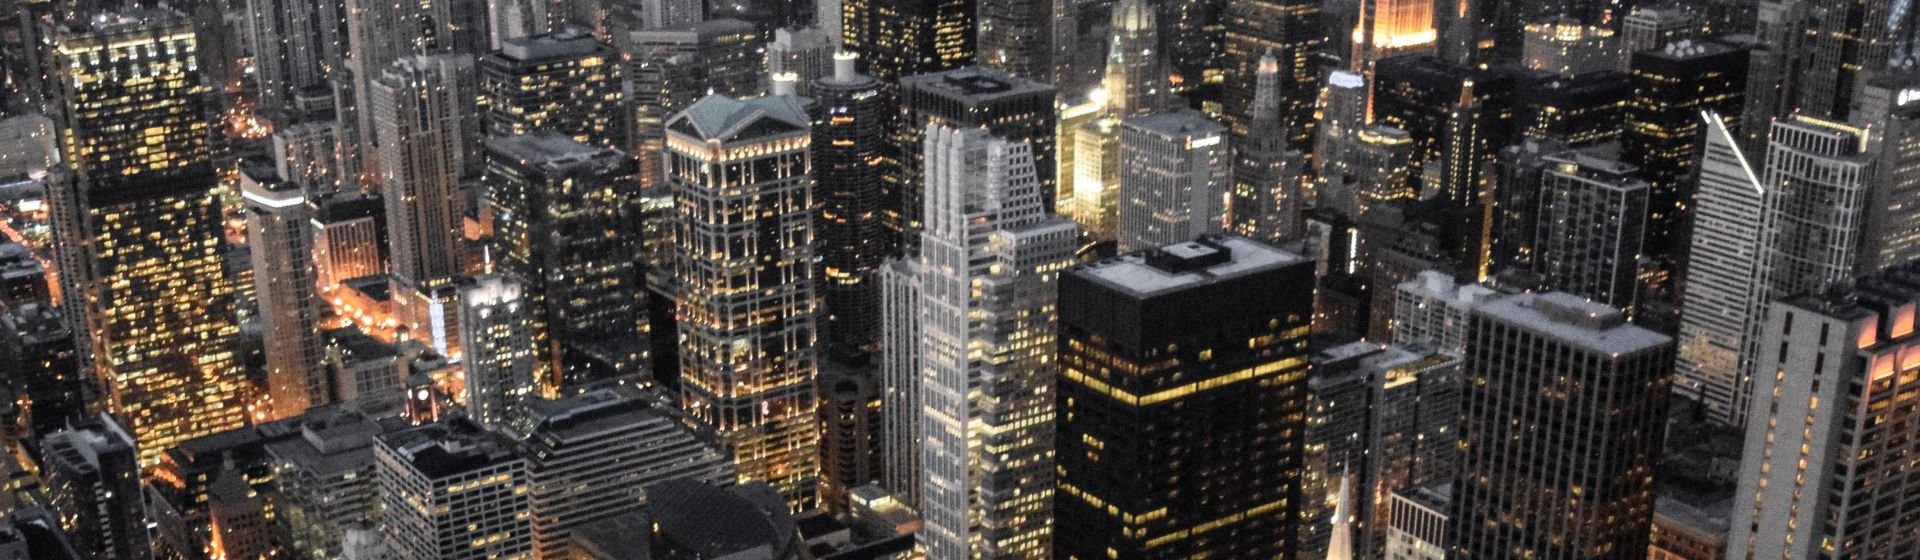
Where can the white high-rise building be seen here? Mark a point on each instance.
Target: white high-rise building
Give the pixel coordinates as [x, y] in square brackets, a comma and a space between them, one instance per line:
[1817, 175]
[452, 491]
[423, 107]
[281, 242]
[805, 52]
[496, 337]
[1431, 310]
[1827, 465]
[1725, 266]
[982, 298]
[1651, 27]
[900, 378]
[1175, 171]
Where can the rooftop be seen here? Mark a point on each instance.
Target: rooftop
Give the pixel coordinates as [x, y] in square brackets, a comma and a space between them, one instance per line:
[1590, 325]
[567, 43]
[975, 84]
[446, 449]
[1184, 265]
[550, 150]
[718, 117]
[1193, 125]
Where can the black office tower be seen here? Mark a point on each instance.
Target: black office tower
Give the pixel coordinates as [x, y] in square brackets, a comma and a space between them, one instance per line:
[1182, 403]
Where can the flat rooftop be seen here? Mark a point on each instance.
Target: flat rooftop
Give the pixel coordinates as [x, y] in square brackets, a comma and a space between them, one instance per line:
[1578, 321]
[1185, 265]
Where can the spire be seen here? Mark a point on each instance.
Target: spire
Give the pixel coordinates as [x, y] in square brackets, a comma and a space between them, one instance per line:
[1340, 544]
[1135, 78]
[1266, 89]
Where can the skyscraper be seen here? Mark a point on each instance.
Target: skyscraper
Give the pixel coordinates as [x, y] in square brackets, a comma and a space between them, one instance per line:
[1033, 39]
[1726, 259]
[668, 68]
[1567, 47]
[1818, 474]
[37, 342]
[851, 162]
[1591, 226]
[1136, 72]
[806, 52]
[896, 39]
[1673, 84]
[748, 325]
[424, 110]
[1181, 419]
[1651, 27]
[497, 341]
[281, 242]
[324, 478]
[564, 81]
[1267, 194]
[1562, 422]
[1290, 30]
[93, 485]
[1008, 107]
[1174, 179]
[308, 154]
[565, 223]
[296, 44]
[591, 456]
[138, 227]
[349, 238]
[1817, 175]
[981, 306]
[452, 491]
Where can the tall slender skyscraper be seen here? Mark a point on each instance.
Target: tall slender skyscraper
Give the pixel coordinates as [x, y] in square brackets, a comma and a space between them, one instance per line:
[1817, 172]
[1136, 75]
[1007, 106]
[280, 238]
[424, 108]
[296, 45]
[851, 163]
[983, 304]
[496, 338]
[1820, 475]
[138, 227]
[1266, 198]
[743, 191]
[1591, 222]
[1182, 403]
[1562, 422]
[1672, 85]
[1174, 178]
[1725, 268]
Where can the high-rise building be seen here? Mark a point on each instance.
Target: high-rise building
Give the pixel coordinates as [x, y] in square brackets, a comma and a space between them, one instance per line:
[1459, 117]
[1817, 177]
[1672, 85]
[424, 110]
[281, 242]
[1288, 29]
[1891, 229]
[1096, 178]
[1562, 418]
[668, 68]
[324, 479]
[1590, 227]
[380, 32]
[295, 45]
[900, 379]
[1391, 28]
[851, 164]
[565, 81]
[349, 238]
[805, 52]
[1181, 419]
[1654, 26]
[92, 478]
[853, 428]
[591, 456]
[1032, 39]
[1726, 262]
[748, 326]
[1417, 523]
[564, 224]
[896, 39]
[452, 491]
[138, 227]
[1819, 474]
[1567, 47]
[981, 304]
[1431, 310]
[1136, 72]
[1579, 111]
[37, 343]
[308, 154]
[1175, 170]
[497, 341]
[1008, 107]
[1268, 192]
[1810, 58]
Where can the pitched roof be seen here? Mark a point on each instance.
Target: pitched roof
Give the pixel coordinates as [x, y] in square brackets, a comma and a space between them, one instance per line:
[718, 117]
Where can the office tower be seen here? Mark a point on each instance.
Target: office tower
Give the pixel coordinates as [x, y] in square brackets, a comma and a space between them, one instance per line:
[1672, 85]
[661, 14]
[1810, 59]
[1458, 117]
[1891, 229]
[1032, 39]
[1267, 194]
[284, 287]
[591, 456]
[1378, 418]
[1290, 30]
[36, 342]
[1591, 224]
[1175, 171]
[748, 375]
[1096, 179]
[92, 479]
[900, 379]
[1417, 523]
[1178, 412]
[1581, 111]
[806, 52]
[1346, 101]
[564, 226]
[851, 163]
[1597, 500]
[308, 154]
[349, 238]
[497, 338]
[895, 39]
[1565, 46]
[1374, 170]
[1817, 176]
[1136, 74]
[137, 146]
[1008, 107]
[565, 81]
[324, 479]
[380, 32]
[1431, 311]
[295, 44]
[1391, 28]
[852, 448]
[1516, 225]
[667, 69]
[1725, 299]
[1822, 429]
[1652, 27]
[982, 308]
[424, 109]
[452, 490]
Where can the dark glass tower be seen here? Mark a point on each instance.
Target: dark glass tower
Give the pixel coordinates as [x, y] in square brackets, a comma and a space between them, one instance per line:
[1291, 30]
[900, 38]
[563, 81]
[1663, 136]
[1182, 403]
[851, 162]
[1008, 107]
